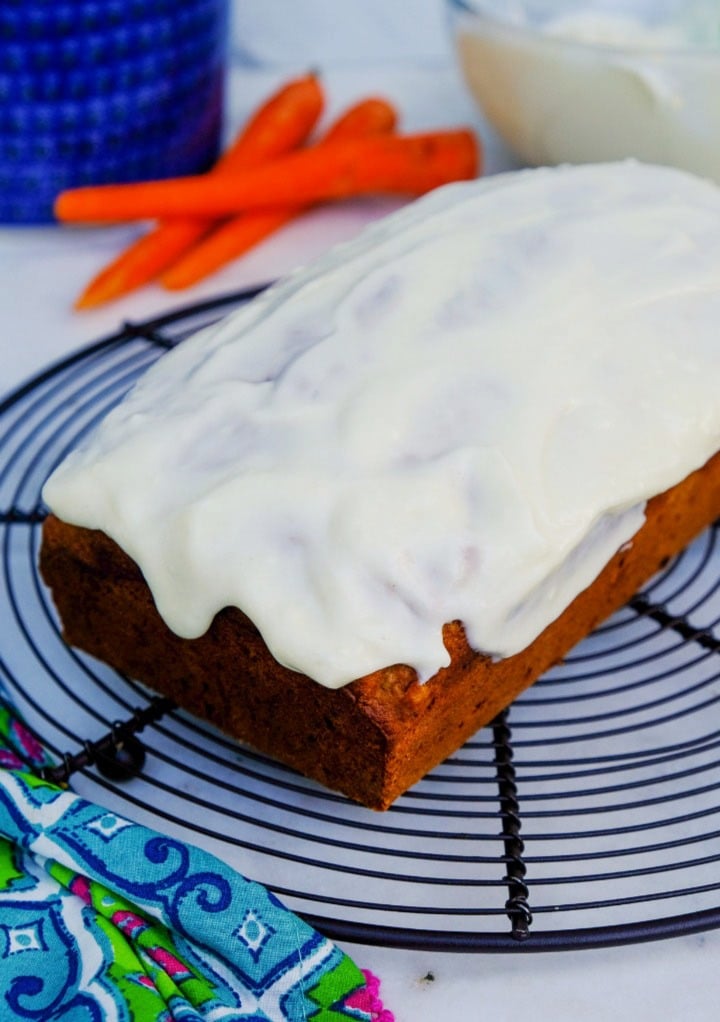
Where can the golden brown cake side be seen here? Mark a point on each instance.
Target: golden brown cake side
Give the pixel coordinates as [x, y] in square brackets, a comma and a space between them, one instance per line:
[375, 737]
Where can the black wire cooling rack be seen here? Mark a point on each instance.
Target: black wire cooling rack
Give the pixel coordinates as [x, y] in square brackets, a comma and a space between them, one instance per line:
[588, 815]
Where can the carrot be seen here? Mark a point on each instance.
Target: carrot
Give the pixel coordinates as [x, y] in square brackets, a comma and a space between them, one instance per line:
[371, 116]
[280, 124]
[408, 165]
[230, 240]
[143, 261]
[236, 236]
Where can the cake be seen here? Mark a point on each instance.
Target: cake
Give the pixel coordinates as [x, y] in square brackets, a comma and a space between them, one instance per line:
[352, 522]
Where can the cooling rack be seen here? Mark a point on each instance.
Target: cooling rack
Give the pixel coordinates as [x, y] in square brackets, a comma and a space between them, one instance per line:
[587, 815]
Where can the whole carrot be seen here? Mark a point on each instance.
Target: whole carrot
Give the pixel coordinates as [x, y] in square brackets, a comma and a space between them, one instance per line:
[408, 165]
[232, 238]
[279, 125]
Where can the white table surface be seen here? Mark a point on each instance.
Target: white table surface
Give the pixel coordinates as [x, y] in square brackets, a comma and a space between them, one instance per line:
[42, 269]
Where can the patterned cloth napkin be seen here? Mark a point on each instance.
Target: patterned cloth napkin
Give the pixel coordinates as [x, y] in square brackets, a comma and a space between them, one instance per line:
[104, 919]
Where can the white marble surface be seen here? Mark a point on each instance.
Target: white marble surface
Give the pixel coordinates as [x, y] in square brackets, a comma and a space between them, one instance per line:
[40, 272]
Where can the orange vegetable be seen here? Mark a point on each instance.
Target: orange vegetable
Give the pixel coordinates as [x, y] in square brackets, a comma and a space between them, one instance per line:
[143, 261]
[227, 242]
[408, 165]
[371, 116]
[280, 124]
[236, 236]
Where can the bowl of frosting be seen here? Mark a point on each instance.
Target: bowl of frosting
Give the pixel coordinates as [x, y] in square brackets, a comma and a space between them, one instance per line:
[578, 81]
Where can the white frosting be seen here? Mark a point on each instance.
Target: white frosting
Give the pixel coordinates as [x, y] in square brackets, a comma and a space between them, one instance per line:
[624, 29]
[640, 24]
[600, 82]
[459, 415]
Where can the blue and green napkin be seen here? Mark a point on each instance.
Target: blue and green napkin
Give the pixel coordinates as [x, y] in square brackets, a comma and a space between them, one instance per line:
[104, 919]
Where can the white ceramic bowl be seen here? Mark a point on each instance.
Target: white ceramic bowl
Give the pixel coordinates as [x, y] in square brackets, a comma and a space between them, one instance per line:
[577, 81]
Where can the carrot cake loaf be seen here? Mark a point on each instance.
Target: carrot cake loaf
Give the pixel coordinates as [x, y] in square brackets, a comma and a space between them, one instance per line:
[352, 521]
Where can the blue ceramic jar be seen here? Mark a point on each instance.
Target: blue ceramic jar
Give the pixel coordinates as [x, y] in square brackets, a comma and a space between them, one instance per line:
[95, 91]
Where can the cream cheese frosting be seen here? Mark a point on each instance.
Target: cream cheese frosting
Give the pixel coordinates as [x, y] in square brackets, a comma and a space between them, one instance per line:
[457, 416]
[583, 82]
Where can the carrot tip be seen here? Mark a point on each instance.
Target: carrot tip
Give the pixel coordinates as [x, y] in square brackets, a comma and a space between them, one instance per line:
[104, 288]
[91, 300]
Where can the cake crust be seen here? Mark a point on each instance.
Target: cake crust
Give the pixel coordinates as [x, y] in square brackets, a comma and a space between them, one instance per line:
[375, 737]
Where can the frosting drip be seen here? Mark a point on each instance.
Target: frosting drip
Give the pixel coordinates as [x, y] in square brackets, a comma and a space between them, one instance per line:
[458, 415]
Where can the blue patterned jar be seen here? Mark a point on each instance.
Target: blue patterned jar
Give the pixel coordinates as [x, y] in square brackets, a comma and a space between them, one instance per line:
[98, 91]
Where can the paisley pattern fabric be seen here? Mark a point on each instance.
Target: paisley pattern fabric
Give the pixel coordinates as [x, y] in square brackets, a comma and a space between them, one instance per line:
[104, 919]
